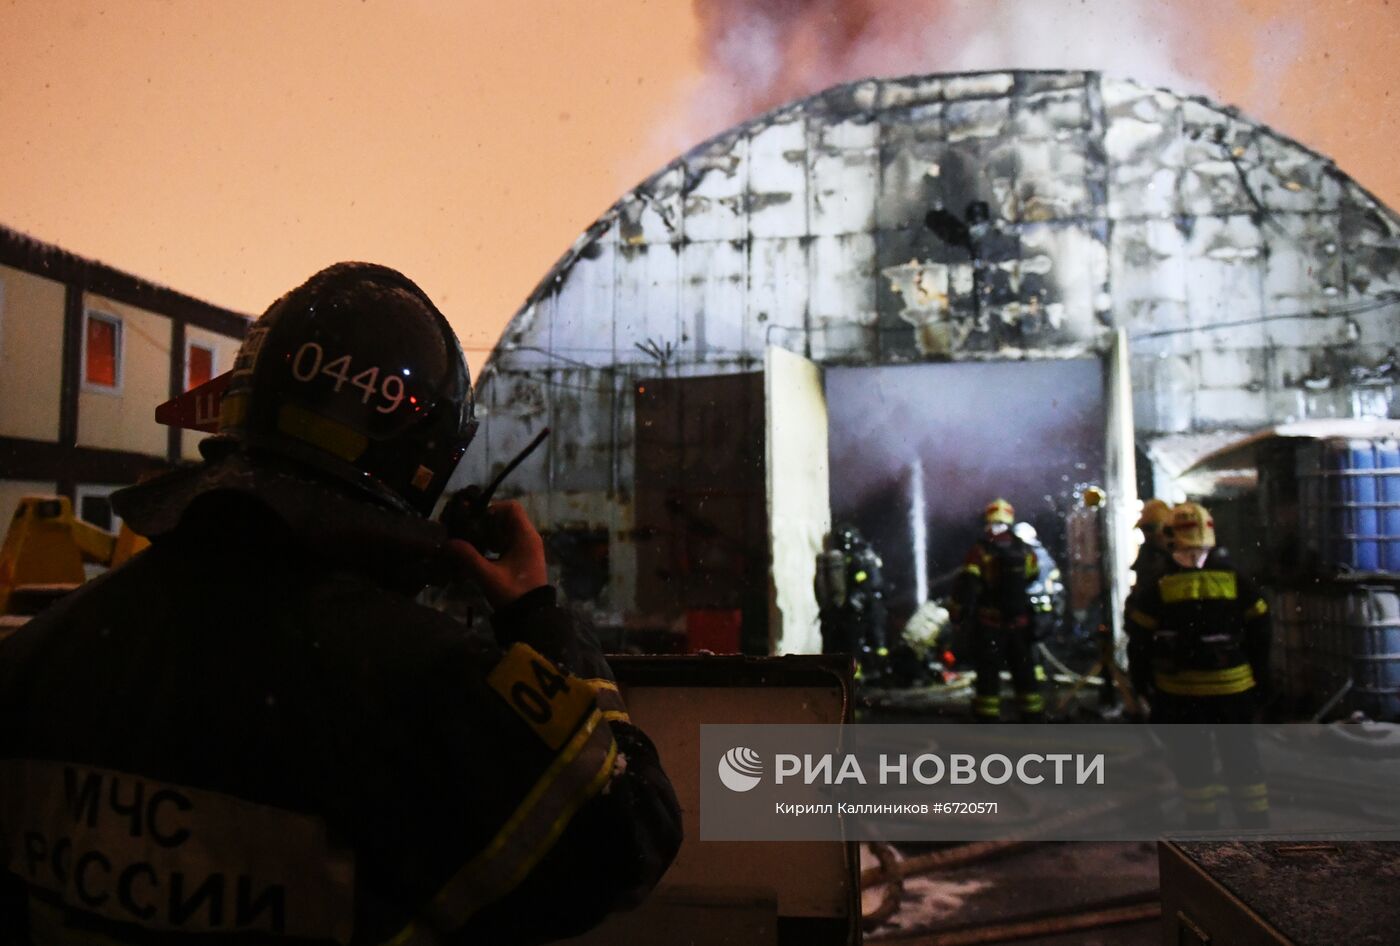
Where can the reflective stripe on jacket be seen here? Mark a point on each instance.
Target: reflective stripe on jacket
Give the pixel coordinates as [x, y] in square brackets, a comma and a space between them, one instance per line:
[988, 592]
[1199, 632]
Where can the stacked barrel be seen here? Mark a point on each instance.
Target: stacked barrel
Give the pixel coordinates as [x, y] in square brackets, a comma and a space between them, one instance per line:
[1331, 515]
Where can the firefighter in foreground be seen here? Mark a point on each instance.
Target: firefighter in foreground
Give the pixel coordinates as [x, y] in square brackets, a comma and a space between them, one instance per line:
[994, 605]
[1198, 649]
[253, 729]
[850, 590]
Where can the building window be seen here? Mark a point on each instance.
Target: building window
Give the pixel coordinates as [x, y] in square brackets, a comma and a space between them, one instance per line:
[199, 365]
[102, 351]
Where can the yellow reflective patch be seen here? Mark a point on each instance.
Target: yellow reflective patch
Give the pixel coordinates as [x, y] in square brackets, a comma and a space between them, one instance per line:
[609, 700]
[551, 702]
[1259, 609]
[860, 577]
[577, 774]
[973, 570]
[1207, 682]
[331, 436]
[1201, 792]
[1258, 790]
[1198, 586]
[233, 411]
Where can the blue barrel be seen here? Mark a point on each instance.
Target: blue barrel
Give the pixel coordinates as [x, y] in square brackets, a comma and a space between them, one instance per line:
[1372, 631]
[1352, 465]
[1388, 467]
[1349, 505]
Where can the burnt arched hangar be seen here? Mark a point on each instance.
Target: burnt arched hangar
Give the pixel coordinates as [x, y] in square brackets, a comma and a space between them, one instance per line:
[987, 216]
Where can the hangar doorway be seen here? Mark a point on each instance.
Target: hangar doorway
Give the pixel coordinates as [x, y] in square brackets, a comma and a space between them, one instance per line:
[731, 506]
[917, 451]
[740, 477]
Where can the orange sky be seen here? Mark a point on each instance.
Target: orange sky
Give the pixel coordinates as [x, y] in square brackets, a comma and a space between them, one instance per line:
[229, 148]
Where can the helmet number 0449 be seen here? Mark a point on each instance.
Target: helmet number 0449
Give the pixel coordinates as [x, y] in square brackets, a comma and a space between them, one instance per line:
[310, 361]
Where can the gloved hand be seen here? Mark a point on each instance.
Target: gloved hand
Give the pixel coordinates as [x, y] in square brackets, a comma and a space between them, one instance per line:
[520, 569]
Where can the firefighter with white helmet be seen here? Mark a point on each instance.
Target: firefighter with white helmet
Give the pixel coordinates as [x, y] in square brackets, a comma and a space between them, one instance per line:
[1198, 649]
[994, 605]
[1047, 590]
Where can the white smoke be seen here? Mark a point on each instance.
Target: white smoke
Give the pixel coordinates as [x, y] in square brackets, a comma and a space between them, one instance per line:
[759, 54]
[1134, 39]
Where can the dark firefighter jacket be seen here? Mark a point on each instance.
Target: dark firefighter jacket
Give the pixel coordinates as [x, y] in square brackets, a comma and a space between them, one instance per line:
[1151, 564]
[995, 582]
[245, 731]
[849, 579]
[1198, 632]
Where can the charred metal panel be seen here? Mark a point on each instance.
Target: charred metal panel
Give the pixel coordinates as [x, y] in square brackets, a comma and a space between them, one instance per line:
[1143, 144]
[527, 345]
[1303, 273]
[653, 214]
[845, 169]
[582, 319]
[978, 85]
[1226, 273]
[844, 319]
[914, 90]
[716, 199]
[701, 526]
[646, 305]
[777, 312]
[517, 411]
[913, 153]
[1148, 262]
[713, 299]
[777, 184]
[582, 407]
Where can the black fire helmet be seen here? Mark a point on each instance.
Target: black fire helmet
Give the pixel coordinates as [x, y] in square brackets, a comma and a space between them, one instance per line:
[357, 374]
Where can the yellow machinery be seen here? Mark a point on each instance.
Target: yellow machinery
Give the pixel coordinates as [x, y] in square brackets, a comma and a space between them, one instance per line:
[45, 549]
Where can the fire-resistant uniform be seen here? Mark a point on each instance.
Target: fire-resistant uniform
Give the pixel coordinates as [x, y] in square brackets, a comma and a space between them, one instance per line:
[1153, 560]
[253, 731]
[995, 607]
[850, 590]
[1198, 647]
[1047, 589]
[1154, 555]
